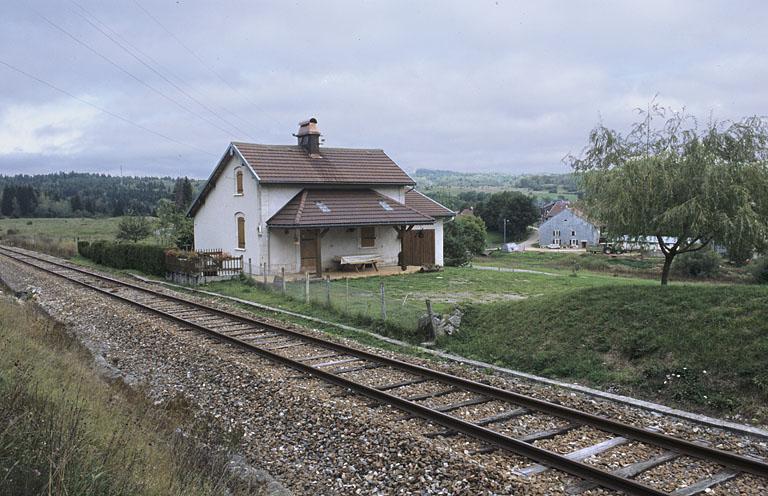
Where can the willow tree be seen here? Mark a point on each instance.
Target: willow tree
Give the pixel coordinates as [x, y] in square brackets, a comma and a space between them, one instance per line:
[684, 185]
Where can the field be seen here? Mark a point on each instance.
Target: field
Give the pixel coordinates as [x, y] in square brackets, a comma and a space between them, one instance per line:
[59, 237]
[78, 227]
[63, 430]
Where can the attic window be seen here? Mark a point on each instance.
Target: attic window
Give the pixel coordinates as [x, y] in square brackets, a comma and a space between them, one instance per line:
[385, 205]
[323, 207]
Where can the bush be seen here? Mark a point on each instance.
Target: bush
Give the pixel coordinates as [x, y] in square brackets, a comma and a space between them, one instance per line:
[464, 238]
[133, 228]
[146, 258]
[759, 270]
[702, 263]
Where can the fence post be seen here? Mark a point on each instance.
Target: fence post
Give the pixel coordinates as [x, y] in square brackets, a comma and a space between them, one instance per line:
[383, 302]
[250, 266]
[306, 287]
[282, 275]
[328, 291]
[346, 281]
[431, 321]
[265, 273]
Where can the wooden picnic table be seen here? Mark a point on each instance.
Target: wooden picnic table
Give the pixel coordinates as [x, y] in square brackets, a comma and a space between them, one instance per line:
[359, 261]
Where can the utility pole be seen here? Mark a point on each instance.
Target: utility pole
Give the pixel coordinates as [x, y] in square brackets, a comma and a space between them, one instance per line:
[505, 231]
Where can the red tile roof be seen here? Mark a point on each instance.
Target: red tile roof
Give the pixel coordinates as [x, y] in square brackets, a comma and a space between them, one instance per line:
[343, 208]
[292, 164]
[426, 205]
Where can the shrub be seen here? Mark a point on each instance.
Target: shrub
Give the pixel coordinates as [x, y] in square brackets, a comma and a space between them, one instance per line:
[146, 258]
[759, 270]
[464, 238]
[702, 263]
[133, 228]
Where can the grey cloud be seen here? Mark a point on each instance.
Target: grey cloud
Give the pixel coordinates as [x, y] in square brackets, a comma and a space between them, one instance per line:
[470, 86]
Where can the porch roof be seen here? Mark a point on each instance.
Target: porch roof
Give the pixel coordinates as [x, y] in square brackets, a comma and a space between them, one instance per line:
[313, 208]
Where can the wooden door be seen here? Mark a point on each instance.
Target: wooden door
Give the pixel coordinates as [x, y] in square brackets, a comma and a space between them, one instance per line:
[419, 247]
[310, 251]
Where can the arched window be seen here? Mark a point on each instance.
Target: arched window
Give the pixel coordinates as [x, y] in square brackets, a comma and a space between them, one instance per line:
[241, 232]
[239, 182]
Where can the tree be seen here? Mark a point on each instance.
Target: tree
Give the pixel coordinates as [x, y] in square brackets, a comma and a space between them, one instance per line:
[133, 228]
[518, 210]
[6, 206]
[686, 186]
[175, 227]
[464, 238]
[182, 193]
[75, 203]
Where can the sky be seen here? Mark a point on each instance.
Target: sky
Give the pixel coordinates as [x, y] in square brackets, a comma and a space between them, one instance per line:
[150, 87]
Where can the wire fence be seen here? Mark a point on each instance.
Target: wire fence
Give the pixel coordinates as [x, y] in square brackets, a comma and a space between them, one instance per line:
[338, 294]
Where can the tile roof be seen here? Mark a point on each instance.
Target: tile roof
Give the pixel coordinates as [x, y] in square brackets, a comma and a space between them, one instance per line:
[344, 207]
[292, 164]
[426, 205]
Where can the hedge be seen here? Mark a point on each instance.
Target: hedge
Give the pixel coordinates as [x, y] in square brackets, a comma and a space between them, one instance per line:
[149, 259]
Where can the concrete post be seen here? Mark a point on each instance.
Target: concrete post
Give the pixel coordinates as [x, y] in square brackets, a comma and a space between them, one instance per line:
[306, 287]
[383, 302]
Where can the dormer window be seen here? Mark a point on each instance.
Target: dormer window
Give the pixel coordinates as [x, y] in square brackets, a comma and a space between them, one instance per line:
[323, 207]
[239, 182]
[386, 206]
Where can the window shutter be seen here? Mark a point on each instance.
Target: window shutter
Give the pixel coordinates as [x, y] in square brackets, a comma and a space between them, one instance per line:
[241, 232]
[367, 237]
[239, 179]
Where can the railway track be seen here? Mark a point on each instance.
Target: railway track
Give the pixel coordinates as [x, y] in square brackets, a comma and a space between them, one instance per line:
[435, 396]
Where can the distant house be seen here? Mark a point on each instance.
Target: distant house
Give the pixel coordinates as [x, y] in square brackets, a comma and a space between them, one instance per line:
[553, 208]
[466, 212]
[568, 228]
[301, 208]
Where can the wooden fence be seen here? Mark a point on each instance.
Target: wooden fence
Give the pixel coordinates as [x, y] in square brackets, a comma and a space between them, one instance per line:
[210, 262]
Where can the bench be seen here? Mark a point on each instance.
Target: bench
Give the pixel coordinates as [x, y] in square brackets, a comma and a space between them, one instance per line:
[358, 261]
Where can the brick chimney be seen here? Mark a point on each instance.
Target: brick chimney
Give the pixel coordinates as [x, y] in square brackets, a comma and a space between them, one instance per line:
[309, 137]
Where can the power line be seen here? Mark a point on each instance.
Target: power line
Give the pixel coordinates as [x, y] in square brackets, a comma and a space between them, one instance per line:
[193, 53]
[102, 109]
[131, 75]
[148, 66]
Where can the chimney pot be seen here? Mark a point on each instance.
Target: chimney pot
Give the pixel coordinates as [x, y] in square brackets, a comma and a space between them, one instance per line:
[309, 137]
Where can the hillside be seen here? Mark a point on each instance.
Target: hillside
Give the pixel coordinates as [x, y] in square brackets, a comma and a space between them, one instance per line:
[696, 346]
[79, 194]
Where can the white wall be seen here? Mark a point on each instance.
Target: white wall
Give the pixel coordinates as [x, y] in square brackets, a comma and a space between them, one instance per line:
[216, 226]
[397, 193]
[215, 222]
[338, 241]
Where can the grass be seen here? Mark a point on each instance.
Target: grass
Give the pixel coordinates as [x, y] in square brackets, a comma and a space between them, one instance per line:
[63, 430]
[406, 295]
[77, 227]
[59, 237]
[700, 347]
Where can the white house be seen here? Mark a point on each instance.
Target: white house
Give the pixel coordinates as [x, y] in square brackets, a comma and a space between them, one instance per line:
[301, 207]
[568, 228]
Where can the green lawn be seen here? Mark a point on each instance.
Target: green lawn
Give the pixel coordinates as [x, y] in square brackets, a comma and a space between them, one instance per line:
[700, 346]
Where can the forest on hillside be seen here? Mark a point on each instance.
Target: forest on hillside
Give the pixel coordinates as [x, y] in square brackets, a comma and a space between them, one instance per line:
[79, 194]
[481, 181]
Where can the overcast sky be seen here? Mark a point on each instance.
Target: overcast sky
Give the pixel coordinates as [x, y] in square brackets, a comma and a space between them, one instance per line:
[470, 86]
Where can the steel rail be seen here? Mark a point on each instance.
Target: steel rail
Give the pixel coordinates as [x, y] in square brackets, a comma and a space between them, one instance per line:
[548, 458]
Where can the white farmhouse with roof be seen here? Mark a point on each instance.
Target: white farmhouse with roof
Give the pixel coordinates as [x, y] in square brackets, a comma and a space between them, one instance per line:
[303, 207]
[568, 228]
